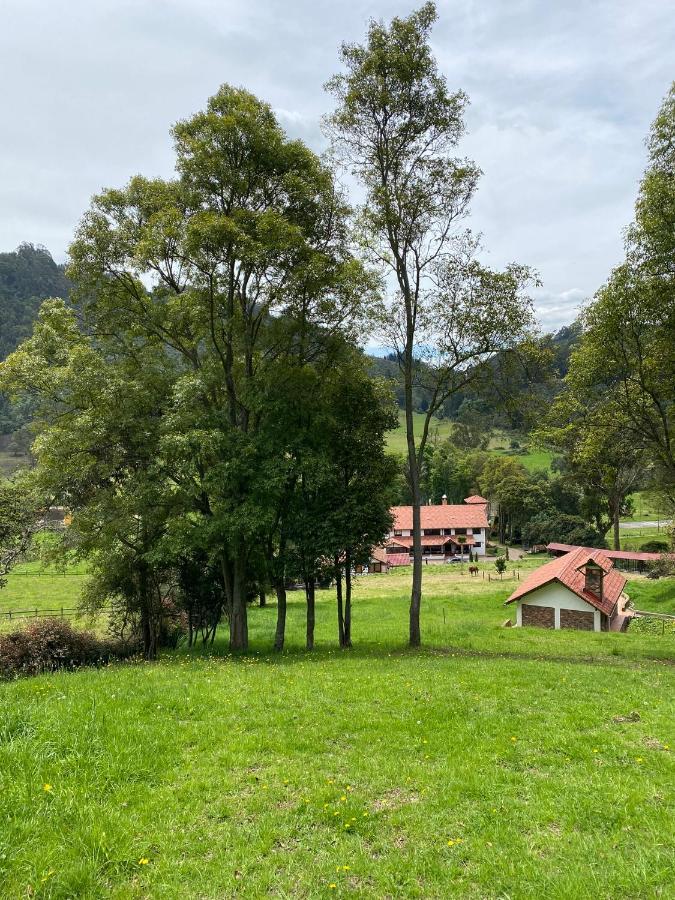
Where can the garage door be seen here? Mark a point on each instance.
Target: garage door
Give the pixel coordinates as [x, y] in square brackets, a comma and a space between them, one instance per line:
[541, 616]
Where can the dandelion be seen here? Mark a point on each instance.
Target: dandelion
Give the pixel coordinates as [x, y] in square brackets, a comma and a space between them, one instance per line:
[514, 739]
[143, 861]
[595, 751]
[343, 799]
[47, 788]
[332, 886]
[638, 759]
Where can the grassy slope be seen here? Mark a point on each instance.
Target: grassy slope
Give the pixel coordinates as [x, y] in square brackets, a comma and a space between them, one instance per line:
[284, 776]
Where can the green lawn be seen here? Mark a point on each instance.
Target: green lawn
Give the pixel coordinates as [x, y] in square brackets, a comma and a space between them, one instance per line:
[31, 587]
[493, 763]
[442, 429]
[396, 441]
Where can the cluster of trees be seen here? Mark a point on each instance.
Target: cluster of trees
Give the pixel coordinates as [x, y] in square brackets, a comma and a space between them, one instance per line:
[200, 405]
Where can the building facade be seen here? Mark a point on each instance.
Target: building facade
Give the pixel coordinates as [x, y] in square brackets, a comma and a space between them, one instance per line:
[448, 531]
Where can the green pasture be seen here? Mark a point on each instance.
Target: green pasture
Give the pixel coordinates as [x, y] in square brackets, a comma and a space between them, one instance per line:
[494, 762]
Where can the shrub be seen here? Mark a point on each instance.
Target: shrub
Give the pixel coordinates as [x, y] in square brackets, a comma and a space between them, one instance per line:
[662, 568]
[655, 547]
[47, 645]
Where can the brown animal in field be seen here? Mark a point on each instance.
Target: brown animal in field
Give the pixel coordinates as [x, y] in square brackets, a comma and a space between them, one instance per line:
[473, 570]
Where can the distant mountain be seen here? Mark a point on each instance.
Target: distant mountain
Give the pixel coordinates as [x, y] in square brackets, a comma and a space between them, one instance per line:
[27, 277]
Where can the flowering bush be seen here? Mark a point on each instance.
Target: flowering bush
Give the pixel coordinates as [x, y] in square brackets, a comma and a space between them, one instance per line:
[50, 644]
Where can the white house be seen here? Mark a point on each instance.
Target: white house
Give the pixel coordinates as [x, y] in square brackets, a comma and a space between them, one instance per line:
[581, 590]
[447, 530]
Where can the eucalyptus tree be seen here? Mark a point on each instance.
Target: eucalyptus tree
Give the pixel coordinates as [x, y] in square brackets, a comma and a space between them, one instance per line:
[396, 126]
[234, 267]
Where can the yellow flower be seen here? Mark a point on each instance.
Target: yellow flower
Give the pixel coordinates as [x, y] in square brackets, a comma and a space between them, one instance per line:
[450, 843]
[343, 799]
[638, 759]
[47, 787]
[143, 861]
[514, 739]
[596, 751]
[332, 886]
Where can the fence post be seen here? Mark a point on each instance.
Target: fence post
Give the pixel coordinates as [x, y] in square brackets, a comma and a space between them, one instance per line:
[61, 612]
[36, 615]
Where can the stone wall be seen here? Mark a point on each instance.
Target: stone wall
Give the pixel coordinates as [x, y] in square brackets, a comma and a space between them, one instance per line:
[574, 618]
[540, 616]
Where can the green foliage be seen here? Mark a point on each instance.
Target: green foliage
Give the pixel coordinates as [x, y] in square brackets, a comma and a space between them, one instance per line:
[624, 368]
[655, 547]
[562, 528]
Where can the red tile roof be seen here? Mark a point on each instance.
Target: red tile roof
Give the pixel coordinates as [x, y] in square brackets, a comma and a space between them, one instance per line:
[432, 540]
[398, 559]
[612, 554]
[565, 570]
[475, 498]
[459, 515]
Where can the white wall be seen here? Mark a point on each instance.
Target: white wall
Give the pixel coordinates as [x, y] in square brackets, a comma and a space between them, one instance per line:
[559, 597]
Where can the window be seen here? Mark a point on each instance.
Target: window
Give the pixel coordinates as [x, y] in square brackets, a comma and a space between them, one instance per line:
[398, 533]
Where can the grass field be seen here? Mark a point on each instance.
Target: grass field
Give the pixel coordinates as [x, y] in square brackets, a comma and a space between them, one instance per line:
[493, 763]
[442, 429]
[396, 441]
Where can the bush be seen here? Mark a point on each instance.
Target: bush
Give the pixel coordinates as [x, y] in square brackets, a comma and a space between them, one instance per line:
[47, 645]
[655, 547]
[662, 568]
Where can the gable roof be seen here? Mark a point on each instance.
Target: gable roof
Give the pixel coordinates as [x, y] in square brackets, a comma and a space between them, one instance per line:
[444, 515]
[565, 570]
[475, 498]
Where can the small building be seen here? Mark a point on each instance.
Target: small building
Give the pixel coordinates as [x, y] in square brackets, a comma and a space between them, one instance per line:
[448, 530]
[581, 590]
[378, 562]
[630, 560]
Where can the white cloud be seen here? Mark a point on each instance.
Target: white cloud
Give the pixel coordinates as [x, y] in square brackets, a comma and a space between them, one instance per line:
[562, 98]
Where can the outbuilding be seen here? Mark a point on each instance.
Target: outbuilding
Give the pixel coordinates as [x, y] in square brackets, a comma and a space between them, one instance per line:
[581, 590]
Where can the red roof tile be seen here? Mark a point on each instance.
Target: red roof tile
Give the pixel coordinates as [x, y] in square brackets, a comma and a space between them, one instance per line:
[458, 515]
[612, 554]
[398, 559]
[475, 498]
[565, 570]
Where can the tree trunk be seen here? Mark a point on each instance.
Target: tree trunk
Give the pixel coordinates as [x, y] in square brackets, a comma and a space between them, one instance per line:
[147, 624]
[415, 637]
[311, 597]
[279, 637]
[615, 527]
[340, 611]
[262, 597]
[238, 617]
[347, 638]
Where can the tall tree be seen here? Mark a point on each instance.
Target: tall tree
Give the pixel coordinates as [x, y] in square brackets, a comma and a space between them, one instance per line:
[625, 363]
[240, 262]
[396, 126]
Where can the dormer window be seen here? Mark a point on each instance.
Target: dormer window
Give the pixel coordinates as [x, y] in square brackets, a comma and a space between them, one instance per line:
[593, 575]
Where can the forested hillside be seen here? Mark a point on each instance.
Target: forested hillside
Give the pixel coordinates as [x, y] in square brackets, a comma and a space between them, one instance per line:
[27, 276]
[535, 377]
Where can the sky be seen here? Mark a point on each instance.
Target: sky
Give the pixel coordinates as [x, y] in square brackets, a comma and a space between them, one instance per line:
[562, 96]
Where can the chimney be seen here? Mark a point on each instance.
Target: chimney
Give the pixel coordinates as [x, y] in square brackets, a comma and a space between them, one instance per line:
[444, 500]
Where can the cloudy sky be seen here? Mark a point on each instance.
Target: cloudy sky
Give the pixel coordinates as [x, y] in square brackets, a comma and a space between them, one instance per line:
[562, 96]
